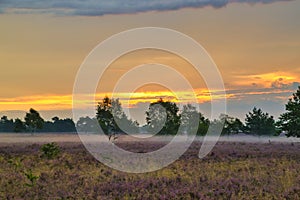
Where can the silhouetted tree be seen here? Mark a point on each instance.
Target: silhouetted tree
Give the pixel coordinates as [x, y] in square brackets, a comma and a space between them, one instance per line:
[231, 125]
[63, 125]
[104, 116]
[33, 120]
[122, 123]
[290, 120]
[58, 125]
[19, 126]
[192, 120]
[6, 125]
[259, 123]
[87, 125]
[48, 127]
[164, 115]
[112, 118]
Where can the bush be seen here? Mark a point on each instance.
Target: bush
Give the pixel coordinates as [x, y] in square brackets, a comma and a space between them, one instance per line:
[50, 150]
[31, 178]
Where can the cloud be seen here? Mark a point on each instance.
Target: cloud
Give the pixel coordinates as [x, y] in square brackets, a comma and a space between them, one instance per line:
[279, 80]
[103, 7]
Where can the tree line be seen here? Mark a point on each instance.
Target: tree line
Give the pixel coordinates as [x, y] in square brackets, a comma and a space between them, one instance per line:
[162, 118]
[33, 122]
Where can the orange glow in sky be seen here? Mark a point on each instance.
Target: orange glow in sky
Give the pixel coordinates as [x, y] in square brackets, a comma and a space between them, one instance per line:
[274, 79]
[54, 102]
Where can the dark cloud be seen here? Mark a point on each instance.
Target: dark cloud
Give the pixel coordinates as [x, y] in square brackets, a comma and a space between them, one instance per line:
[103, 7]
[279, 83]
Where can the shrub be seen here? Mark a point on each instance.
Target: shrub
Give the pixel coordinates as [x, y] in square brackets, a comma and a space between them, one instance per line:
[50, 150]
[31, 178]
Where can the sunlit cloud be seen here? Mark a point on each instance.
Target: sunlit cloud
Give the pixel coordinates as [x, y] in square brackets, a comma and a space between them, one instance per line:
[53, 102]
[280, 80]
[275, 86]
[45, 102]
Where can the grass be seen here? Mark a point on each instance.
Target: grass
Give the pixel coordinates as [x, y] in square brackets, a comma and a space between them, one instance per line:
[231, 171]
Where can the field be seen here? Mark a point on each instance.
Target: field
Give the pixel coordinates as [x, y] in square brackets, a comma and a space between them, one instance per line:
[233, 170]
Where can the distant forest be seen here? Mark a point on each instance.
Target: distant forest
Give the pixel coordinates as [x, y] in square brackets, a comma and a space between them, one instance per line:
[163, 118]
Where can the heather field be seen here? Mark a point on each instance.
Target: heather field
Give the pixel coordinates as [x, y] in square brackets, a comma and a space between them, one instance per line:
[233, 170]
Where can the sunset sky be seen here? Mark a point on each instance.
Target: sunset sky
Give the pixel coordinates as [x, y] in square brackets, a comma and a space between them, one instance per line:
[254, 43]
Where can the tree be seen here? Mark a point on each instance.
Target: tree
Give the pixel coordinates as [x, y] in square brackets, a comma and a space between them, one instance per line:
[163, 115]
[87, 125]
[203, 125]
[104, 116]
[290, 120]
[112, 118]
[58, 125]
[192, 120]
[33, 120]
[259, 123]
[19, 126]
[6, 125]
[121, 121]
[231, 125]
[63, 125]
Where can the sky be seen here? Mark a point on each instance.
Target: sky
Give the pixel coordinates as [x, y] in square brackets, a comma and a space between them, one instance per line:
[255, 45]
